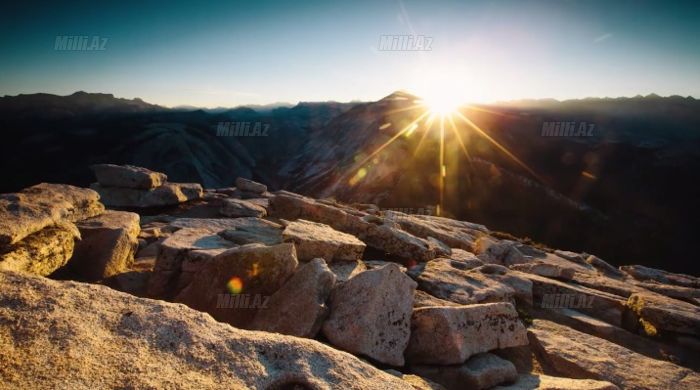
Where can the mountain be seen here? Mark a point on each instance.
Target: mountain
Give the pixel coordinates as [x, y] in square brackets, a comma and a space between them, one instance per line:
[627, 192]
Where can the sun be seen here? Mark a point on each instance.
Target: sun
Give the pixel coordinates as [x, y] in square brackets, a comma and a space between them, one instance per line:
[441, 103]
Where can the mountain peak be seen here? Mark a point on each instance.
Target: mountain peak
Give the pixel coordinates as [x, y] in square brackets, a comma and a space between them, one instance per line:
[399, 95]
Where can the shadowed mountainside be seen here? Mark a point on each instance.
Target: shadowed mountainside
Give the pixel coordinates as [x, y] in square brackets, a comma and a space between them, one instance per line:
[627, 193]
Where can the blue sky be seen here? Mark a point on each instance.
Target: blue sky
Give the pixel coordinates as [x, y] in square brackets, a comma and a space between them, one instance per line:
[255, 52]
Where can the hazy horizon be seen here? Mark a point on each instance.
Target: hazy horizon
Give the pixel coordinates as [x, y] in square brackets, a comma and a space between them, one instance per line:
[280, 104]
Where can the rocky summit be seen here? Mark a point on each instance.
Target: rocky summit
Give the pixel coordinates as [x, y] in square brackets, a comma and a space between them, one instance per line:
[173, 286]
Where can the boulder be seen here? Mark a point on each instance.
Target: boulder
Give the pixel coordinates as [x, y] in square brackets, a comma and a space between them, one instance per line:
[108, 244]
[43, 205]
[43, 252]
[482, 371]
[546, 382]
[240, 208]
[298, 308]
[579, 355]
[318, 240]
[180, 256]
[235, 284]
[370, 314]
[250, 186]
[450, 335]
[127, 176]
[168, 194]
[82, 336]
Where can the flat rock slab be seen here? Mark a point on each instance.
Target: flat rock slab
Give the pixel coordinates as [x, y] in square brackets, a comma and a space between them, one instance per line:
[546, 269]
[687, 294]
[604, 267]
[466, 257]
[370, 314]
[34, 208]
[220, 224]
[241, 231]
[370, 229]
[600, 282]
[261, 231]
[482, 371]
[455, 281]
[299, 307]
[127, 176]
[456, 234]
[108, 244]
[168, 194]
[554, 294]
[576, 354]
[647, 346]
[43, 252]
[659, 312]
[450, 335]
[546, 382]
[643, 273]
[314, 240]
[58, 334]
[240, 208]
[255, 271]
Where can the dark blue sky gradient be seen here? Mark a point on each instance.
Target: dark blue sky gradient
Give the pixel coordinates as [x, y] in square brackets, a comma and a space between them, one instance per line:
[233, 52]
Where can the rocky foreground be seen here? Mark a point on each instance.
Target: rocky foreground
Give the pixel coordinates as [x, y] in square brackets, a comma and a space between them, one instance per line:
[175, 286]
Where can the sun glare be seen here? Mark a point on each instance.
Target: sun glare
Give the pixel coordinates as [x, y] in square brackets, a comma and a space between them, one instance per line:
[441, 103]
[441, 109]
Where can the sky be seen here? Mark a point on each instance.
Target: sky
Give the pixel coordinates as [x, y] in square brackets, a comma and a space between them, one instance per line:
[229, 53]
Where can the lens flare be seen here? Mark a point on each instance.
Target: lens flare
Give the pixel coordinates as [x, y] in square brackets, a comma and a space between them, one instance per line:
[235, 285]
